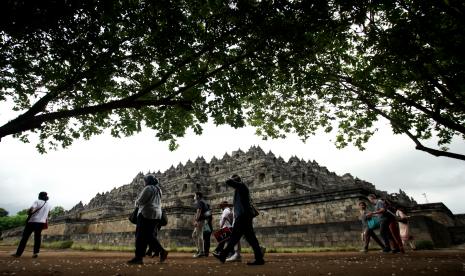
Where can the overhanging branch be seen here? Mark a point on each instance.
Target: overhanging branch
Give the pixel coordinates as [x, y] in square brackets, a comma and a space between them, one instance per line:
[419, 145]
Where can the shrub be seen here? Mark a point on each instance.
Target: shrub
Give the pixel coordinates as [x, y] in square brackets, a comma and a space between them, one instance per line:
[12, 222]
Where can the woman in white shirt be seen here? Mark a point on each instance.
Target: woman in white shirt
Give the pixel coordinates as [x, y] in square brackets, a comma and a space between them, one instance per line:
[227, 221]
[37, 219]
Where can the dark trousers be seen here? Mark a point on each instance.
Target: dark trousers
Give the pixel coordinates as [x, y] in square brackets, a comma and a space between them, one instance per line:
[243, 227]
[35, 227]
[395, 232]
[153, 245]
[386, 233]
[144, 236]
[369, 233]
[220, 246]
[206, 237]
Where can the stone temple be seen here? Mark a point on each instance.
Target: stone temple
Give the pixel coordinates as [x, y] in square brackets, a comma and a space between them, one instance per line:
[302, 204]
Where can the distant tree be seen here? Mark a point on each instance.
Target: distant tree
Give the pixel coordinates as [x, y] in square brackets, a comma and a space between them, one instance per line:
[22, 212]
[12, 222]
[57, 211]
[3, 212]
[281, 66]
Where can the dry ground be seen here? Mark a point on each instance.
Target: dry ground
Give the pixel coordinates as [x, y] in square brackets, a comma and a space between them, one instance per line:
[69, 262]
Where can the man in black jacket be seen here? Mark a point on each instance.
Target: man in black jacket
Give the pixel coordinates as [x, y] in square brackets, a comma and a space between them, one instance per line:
[243, 216]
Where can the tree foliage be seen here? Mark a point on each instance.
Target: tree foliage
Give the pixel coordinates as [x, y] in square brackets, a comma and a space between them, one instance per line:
[3, 213]
[22, 212]
[12, 222]
[57, 211]
[281, 66]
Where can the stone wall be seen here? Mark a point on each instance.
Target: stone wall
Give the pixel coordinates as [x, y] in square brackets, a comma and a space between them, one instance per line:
[459, 220]
[436, 211]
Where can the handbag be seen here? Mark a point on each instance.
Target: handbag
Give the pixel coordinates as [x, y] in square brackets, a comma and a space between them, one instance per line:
[45, 224]
[163, 219]
[133, 216]
[222, 234]
[373, 223]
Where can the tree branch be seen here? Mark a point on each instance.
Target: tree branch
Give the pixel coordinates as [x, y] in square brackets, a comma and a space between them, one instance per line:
[419, 145]
[431, 114]
[17, 126]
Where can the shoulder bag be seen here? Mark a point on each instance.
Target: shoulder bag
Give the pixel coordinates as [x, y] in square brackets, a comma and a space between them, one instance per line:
[373, 223]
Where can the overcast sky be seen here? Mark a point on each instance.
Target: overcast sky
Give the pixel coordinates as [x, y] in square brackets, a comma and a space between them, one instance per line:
[77, 173]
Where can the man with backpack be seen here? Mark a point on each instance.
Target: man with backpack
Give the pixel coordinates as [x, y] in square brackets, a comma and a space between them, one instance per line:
[202, 226]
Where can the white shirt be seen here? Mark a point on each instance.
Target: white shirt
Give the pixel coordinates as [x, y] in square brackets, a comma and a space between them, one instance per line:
[226, 218]
[41, 215]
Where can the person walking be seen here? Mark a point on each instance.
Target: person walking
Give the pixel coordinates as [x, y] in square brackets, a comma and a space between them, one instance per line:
[367, 233]
[36, 221]
[148, 218]
[391, 208]
[202, 221]
[385, 219]
[226, 221]
[207, 228]
[404, 228]
[243, 222]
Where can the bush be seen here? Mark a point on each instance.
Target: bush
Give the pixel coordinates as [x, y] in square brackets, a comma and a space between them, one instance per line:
[12, 222]
[424, 245]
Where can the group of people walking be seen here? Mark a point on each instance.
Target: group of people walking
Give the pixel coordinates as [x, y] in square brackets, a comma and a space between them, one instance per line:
[391, 221]
[149, 220]
[237, 218]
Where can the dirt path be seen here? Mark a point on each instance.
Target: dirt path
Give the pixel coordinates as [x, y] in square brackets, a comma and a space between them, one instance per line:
[68, 262]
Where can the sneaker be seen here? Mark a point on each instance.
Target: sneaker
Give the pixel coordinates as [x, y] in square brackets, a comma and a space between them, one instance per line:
[163, 256]
[364, 250]
[386, 250]
[395, 251]
[35, 255]
[135, 261]
[15, 255]
[220, 257]
[199, 255]
[256, 262]
[234, 258]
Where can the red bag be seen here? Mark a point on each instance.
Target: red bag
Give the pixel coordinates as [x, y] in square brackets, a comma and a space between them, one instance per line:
[222, 234]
